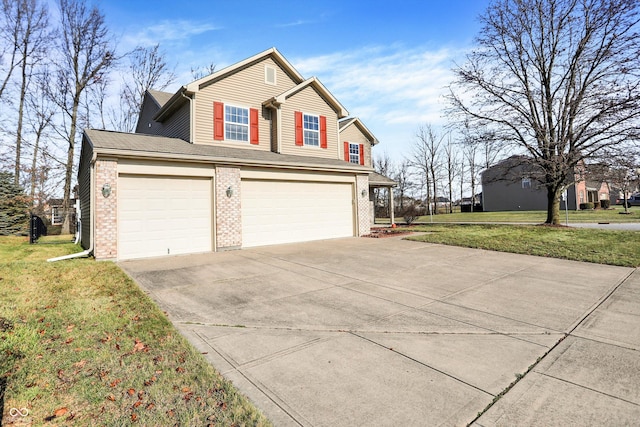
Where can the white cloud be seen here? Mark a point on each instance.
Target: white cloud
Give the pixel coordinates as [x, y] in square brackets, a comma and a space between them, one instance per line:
[168, 33]
[392, 89]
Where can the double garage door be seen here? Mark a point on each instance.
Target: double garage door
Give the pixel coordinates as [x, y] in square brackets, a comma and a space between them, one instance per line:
[275, 212]
[162, 215]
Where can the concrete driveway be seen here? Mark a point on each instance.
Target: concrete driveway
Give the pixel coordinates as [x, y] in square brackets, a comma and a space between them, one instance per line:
[391, 332]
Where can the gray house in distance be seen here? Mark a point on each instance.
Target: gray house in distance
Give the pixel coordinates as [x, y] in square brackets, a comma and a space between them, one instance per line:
[514, 184]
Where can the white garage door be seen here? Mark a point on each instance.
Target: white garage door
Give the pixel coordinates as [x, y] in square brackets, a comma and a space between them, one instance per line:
[163, 216]
[276, 212]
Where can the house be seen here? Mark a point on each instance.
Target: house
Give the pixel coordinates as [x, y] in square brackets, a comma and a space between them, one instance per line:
[253, 154]
[515, 184]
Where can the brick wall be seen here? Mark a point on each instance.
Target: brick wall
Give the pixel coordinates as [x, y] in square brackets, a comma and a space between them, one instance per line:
[228, 209]
[106, 209]
[364, 213]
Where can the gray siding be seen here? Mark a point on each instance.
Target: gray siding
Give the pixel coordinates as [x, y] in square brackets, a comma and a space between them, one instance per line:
[510, 196]
[176, 126]
[84, 192]
[149, 109]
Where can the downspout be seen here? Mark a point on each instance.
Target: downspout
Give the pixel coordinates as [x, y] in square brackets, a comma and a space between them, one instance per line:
[191, 117]
[87, 252]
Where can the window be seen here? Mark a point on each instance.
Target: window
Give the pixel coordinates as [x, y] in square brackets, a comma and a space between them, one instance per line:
[236, 123]
[311, 126]
[354, 153]
[526, 182]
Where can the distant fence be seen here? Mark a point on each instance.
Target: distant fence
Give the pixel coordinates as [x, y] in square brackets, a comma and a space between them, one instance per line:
[37, 228]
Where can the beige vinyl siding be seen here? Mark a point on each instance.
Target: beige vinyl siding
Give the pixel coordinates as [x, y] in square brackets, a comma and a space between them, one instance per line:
[309, 101]
[353, 134]
[148, 110]
[84, 193]
[245, 88]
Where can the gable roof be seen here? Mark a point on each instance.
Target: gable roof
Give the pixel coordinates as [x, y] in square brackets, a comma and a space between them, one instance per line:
[319, 87]
[160, 97]
[176, 100]
[196, 85]
[124, 144]
[343, 124]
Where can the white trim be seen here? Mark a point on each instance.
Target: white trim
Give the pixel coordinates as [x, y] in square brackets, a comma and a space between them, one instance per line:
[304, 129]
[357, 145]
[224, 122]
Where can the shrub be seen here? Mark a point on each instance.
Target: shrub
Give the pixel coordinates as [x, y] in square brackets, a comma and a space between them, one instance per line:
[586, 206]
[604, 204]
[410, 213]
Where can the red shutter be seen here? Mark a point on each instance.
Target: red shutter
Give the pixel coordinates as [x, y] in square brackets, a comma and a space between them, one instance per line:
[346, 151]
[218, 121]
[361, 154]
[253, 120]
[323, 132]
[299, 138]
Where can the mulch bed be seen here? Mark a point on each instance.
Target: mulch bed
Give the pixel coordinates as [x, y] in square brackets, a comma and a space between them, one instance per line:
[386, 232]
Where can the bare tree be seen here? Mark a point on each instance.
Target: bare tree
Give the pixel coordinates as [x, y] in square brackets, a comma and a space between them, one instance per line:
[623, 171]
[425, 159]
[200, 72]
[382, 164]
[11, 20]
[85, 54]
[32, 21]
[450, 155]
[470, 153]
[402, 176]
[147, 69]
[41, 112]
[559, 78]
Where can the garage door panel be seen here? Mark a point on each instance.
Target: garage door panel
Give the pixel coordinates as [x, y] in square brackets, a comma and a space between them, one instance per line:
[163, 216]
[276, 212]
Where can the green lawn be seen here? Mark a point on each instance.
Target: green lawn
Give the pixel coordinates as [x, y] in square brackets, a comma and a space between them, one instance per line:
[536, 217]
[590, 245]
[80, 344]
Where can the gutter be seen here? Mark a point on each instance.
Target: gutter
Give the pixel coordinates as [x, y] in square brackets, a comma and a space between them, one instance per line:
[234, 161]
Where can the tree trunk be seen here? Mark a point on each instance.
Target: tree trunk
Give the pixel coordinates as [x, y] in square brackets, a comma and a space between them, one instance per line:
[66, 202]
[553, 205]
[23, 91]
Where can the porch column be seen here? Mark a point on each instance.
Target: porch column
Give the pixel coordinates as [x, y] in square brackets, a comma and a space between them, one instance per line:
[391, 207]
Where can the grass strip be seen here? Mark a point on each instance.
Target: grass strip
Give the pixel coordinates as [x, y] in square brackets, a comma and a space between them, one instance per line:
[81, 344]
[620, 248]
[613, 215]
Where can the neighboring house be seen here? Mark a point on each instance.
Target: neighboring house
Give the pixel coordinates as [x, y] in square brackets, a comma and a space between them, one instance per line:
[253, 154]
[515, 184]
[53, 210]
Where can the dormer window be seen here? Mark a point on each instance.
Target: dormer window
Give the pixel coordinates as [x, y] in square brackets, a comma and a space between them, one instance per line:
[526, 183]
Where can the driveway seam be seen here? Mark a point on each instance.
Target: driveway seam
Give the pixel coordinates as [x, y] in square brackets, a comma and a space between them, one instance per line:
[258, 385]
[423, 364]
[553, 347]
[587, 388]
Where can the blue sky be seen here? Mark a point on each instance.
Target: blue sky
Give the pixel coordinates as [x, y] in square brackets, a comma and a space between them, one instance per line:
[387, 63]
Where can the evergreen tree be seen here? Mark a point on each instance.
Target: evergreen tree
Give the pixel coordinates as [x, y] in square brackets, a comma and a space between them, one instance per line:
[14, 207]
